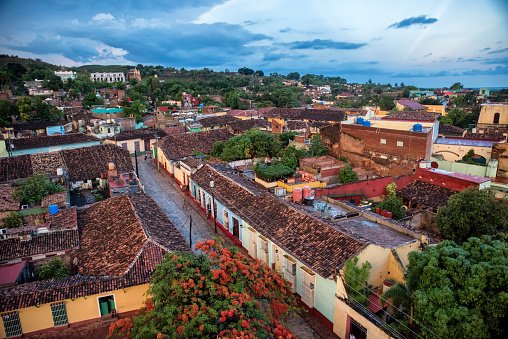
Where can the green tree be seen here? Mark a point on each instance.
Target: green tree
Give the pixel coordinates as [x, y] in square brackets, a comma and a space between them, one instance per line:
[430, 101]
[217, 149]
[445, 120]
[221, 293]
[456, 86]
[54, 269]
[25, 108]
[36, 187]
[13, 220]
[7, 110]
[317, 148]
[290, 156]
[286, 137]
[393, 204]
[347, 175]
[293, 76]
[232, 99]
[386, 103]
[91, 99]
[236, 148]
[472, 213]
[245, 71]
[356, 279]
[273, 172]
[460, 291]
[136, 110]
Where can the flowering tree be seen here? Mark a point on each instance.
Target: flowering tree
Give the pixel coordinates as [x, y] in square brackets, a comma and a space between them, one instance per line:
[223, 293]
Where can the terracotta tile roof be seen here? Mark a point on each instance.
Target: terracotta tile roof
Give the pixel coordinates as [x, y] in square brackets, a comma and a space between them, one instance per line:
[58, 198]
[411, 104]
[179, 146]
[426, 194]
[217, 121]
[144, 134]
[57, 241]
[33, 125]
[241, 126]
[76, 286]
[52, 140]
[47, 162]
[450, 130]
[412, 116]
[64, 219]
[7, 202]
[294, 125]
[114, 231]
[156, 224]
[243, 113]
[316, 244]
[306, 114]
[13, 168]
[192, 162]
[120, 251]
[89, 162]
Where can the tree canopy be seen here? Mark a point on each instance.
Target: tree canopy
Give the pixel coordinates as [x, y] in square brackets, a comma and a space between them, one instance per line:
[221, 293]
[472, 213]
[36, 187]
[459, 291]
[54, 269]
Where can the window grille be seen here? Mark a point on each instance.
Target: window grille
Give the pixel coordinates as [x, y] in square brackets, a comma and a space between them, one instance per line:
[59, 312]
[12, 325]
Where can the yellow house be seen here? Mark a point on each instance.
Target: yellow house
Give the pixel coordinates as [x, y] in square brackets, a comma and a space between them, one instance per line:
[441, 109]
[121, 241]
[139, 140]
[494, 113]
[172, 148]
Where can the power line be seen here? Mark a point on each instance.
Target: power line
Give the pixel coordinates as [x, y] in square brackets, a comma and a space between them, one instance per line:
[398, 309]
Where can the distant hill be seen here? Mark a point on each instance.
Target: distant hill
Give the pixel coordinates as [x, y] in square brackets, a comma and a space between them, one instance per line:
[103, 68]
[28, 63]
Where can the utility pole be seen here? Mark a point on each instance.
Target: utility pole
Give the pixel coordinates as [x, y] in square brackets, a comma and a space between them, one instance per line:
[190, 231]
[136, 160]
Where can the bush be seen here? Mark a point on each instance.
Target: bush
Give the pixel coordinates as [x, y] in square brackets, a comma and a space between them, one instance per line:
[54, 269]
[14, 220]
[222, 293]
[356, 280]
[273, 172]
[347, 175]
[393, 204]
[33, 189]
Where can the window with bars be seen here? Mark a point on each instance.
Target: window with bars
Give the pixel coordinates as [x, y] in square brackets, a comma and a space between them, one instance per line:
[12, 325]
[59, 312]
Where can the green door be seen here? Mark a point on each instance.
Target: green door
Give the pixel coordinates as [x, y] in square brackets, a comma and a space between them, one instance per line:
[103, 305]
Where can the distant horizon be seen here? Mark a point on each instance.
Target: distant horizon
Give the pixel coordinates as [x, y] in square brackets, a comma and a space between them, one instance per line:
[427, 44]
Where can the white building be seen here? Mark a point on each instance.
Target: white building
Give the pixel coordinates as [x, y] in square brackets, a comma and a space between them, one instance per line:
[107, 77]
[65, 75]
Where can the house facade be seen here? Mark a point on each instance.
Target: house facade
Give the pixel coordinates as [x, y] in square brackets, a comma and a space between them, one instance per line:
[306, 250]
[107, 77]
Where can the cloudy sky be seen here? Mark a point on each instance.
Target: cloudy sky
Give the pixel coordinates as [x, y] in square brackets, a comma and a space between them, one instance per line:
[426, 43]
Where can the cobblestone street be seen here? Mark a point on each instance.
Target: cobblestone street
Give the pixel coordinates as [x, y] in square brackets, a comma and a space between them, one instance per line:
[177, 205]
